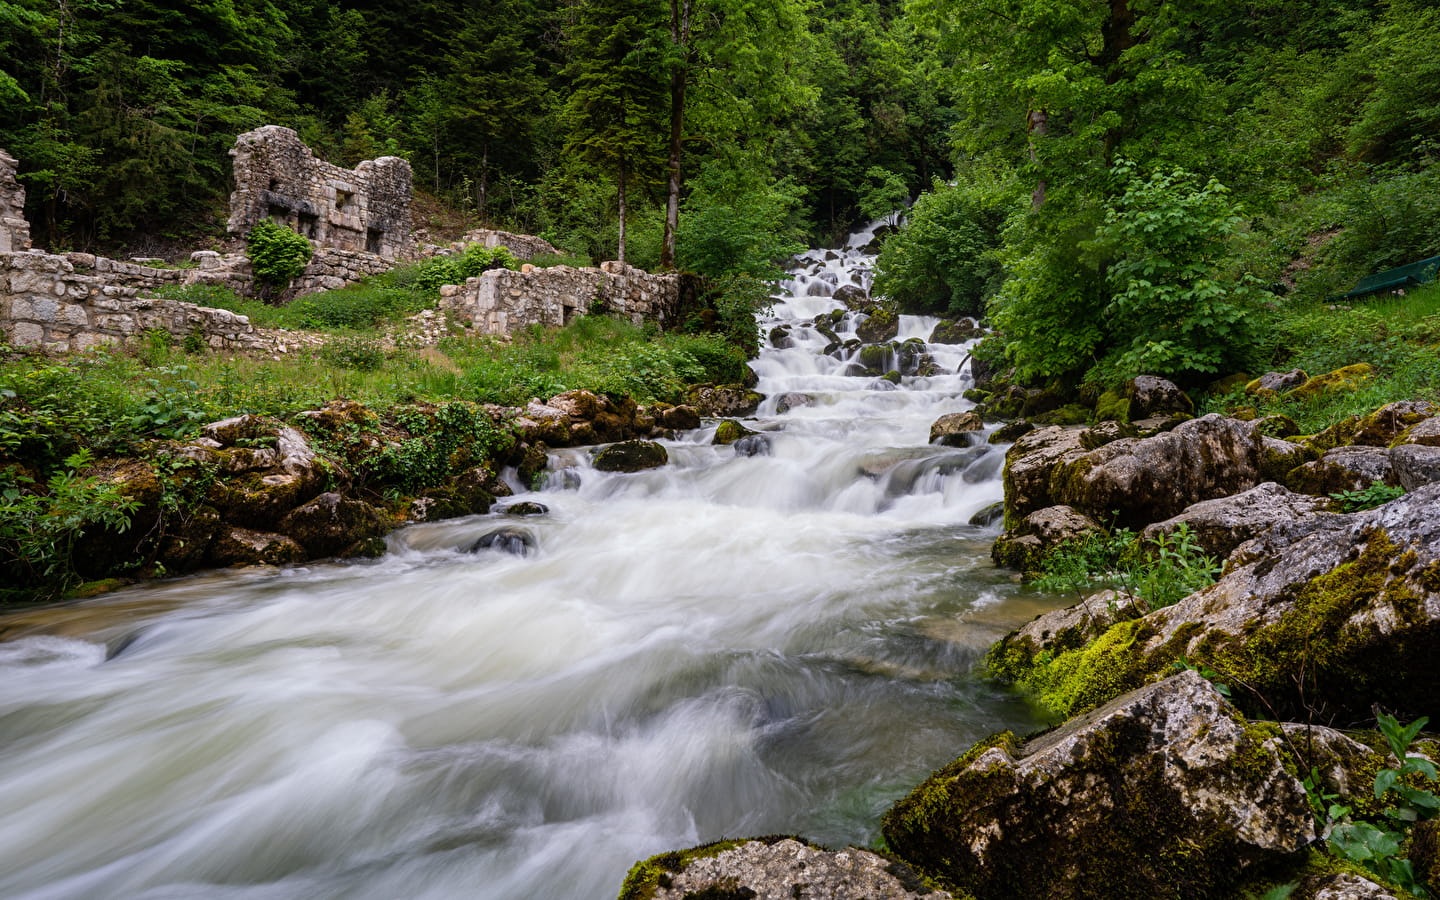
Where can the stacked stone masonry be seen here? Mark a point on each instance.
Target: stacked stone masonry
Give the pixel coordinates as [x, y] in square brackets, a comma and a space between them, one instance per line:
[503, 302]
[14, 230]
[46, 301]
[365, 209]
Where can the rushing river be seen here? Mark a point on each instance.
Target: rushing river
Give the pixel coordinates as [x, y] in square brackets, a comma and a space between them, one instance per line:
[731, 645]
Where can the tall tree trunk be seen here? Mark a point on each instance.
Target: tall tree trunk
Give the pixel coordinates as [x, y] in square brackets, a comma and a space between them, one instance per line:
[1038, 124]
[621, 256]
[679, 76]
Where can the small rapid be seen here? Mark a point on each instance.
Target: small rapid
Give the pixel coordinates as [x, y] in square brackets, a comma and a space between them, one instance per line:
[775, 640]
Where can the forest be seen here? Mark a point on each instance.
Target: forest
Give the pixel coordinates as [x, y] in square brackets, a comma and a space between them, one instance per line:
[1122, 187]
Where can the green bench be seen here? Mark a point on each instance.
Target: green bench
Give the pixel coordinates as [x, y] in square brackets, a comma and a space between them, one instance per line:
[1422, 272]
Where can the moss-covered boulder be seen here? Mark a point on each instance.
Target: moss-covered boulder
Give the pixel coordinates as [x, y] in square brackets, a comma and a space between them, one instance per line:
[1113, 406]
[1272, 383]
[1220, 525]
[1279, 458]
[1011, 431]
[1106, 432]
[1166, 792]
[631, 456]
[244, 547]
[1029, 464]
[1425, 434]
[1324, 616]
[1025, 546]
[1346, 378]
[1150, 479]
[1069, 414]
[955, 331]
[1342, 469]
[882, 324]
[730, 431]
[723, 400]
[332, 525]
[779, 867]
[679, 418]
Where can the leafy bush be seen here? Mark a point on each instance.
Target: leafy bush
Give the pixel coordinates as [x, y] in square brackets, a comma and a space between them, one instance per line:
[356, 307]
[944, 260]
[39, 526]
[1377, 494]
[477, 259]
[277, 255]
[359, 353]
[1173, 312]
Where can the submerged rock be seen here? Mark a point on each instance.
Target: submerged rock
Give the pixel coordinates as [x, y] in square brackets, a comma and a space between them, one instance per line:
[988, 516]
[773, 868]
[793, 400]
[514, 541]
[730, 431]
[1165, 792]
[955, 331]
[631, 456]
[753, 445]
[526, 508]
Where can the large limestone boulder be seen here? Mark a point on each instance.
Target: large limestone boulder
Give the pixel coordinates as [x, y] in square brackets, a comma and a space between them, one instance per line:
[1322, 617]
[1166, 792]
[1415, 465]
[1342, 469]
[1024, 546]
[1221, 525]
[243, 547]
[631, 456]
[1426, 433]
[774, 869]
[1029, 463]
[1150, 479]
[1276, 382]
[955, 331]
[882, 324]
[1342, 887]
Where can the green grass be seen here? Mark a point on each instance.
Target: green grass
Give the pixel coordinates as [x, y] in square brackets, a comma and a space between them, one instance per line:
[107, 401]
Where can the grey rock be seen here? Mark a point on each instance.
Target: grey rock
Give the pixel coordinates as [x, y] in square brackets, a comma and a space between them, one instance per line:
[631, 456]
[784, 870]
[1415, 465]
[752, 445]
[1342, 469]
[793, 400]
[988, 516]
[1037, 534]
[514, 541]
[1152, 396]
[952, 429]
[1279, 382]
[1106, 799]
[1426, 433]
[1222, 524]
[1029, 463]
[1348, 887]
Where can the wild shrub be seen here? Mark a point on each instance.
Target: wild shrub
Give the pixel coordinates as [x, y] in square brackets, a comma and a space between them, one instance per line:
[944, 259]
[1160, 570]
[277, 256]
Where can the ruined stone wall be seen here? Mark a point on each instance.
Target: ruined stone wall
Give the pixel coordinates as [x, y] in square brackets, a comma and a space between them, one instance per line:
[503, 302]
[14, 230]
[365, 209]
[46, 301]
[524, 246]
[329, 269]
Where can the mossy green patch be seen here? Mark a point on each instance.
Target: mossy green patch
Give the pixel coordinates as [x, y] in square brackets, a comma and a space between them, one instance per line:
[649, 875]
[1112, 405]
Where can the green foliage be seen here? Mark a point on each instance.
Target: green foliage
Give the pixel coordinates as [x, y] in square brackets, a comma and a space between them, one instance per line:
[355, 352]
[1172, 312]
[1159, 570]
[277, 254]
[40, 525]
[476, 259]
[1377, 494]
[1376, 845]
[883, 195]
[944, 260]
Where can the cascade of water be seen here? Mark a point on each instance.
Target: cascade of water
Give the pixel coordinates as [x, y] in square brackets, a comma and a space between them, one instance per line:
[732, 644]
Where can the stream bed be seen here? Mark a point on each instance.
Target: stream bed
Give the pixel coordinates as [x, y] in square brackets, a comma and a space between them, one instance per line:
[731, 645]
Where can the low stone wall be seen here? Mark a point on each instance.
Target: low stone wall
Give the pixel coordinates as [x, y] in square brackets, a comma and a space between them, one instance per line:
[503, 302]
[45, 301]
[14, 229]
[330, 269]
[524, 246]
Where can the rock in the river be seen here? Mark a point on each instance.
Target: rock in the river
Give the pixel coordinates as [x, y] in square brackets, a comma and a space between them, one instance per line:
[1151, 396]
[989, 515]
[514, 541]
[753, 445]
[780, 337]
[773, 868]
[955, 331]
[1025, 545]
[1029, 464]
[1221, 525]
[854, 297]
[526, 508]
[730, 431]
[679, 418]
[956, 429]
[243, 547]
[882, 324]
[793, 400]
[722, 401]
[1352, 601]
[631, 456]
[1164, 793]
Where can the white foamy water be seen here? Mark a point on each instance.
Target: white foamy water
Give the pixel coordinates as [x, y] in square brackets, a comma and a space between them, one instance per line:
[730, 645]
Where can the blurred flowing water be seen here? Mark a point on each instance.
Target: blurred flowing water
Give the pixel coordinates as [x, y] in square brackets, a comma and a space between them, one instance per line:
[730, 645]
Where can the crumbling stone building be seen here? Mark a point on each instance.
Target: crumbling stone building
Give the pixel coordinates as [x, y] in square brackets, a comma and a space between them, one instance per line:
[14, 229]
[365, 209]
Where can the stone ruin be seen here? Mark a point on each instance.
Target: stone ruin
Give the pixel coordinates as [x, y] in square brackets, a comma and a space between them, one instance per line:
[365, 209]
[14, 229]
[360, 221]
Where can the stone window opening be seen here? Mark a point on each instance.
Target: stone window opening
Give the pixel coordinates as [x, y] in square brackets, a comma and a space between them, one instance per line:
[309, 225]
[373, 237]
[279, 215]
[343, 199]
